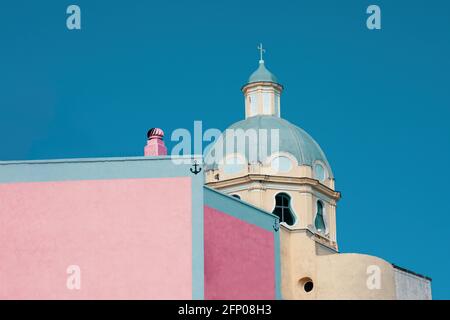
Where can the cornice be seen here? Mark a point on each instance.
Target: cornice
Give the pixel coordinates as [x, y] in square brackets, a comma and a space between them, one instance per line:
[248, 86]
[261, 178]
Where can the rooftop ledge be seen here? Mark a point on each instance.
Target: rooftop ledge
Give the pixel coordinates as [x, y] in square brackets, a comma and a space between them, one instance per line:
[105, 159]
[411, 272]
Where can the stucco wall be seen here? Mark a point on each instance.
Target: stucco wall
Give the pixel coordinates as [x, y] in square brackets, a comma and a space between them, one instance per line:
[411, 287]
[129, 237]
[239, 258]
[346, 276]
[334, 275]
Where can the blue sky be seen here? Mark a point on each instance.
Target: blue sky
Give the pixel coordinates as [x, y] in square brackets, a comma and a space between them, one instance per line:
[378, 102]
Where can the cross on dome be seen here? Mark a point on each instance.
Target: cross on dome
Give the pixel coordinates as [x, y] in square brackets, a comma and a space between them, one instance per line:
[261, 53]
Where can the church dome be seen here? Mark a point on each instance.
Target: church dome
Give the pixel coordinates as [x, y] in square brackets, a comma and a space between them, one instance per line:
[293, 140]
[262, 74]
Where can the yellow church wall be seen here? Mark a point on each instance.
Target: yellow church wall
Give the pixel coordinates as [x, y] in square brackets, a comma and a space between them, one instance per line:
[334, 275]
[297, 262]
[345, 276]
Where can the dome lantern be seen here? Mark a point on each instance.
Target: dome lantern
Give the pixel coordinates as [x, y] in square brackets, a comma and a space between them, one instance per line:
[262, 91]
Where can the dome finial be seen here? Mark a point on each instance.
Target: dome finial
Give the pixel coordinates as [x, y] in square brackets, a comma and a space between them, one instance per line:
[261, 53]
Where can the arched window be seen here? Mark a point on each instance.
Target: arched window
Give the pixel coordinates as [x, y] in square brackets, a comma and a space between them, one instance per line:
[236, 196]
[319, 221]
[282, 208]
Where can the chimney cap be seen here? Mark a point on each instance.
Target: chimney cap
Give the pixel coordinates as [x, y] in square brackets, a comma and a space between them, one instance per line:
[155, 133]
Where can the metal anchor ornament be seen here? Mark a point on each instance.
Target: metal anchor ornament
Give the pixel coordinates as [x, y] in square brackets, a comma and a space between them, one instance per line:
[196, 170]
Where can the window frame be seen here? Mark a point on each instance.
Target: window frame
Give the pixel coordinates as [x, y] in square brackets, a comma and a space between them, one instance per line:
[324, 232]
[289, 206]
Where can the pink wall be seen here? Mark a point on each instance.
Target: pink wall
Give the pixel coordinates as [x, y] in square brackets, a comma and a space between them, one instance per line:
[239, 258]
[129, 237]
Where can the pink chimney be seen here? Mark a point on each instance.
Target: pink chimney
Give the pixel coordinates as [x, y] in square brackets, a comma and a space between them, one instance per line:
[155, 144]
